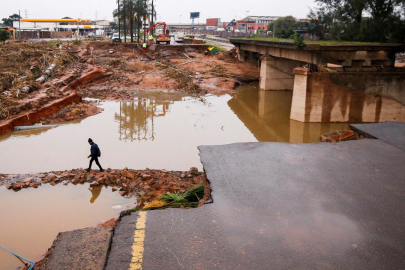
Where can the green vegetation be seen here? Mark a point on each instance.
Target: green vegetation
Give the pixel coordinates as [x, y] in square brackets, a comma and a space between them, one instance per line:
[134, 9]
[298, 41]
[188, 199]
[4, 35]
[284, 27]
[194, 194]
[13, 18]
[346, 20]
[77, 42]
[320, 42]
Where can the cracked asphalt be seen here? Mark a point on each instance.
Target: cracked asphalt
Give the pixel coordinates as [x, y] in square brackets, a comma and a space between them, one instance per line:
[282, 206]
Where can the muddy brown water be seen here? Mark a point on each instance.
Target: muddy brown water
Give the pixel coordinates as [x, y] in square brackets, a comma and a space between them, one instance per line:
[159, 131]
[32, 218]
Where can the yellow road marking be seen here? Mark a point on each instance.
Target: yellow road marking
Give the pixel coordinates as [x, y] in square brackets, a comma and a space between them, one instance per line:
[139, 240]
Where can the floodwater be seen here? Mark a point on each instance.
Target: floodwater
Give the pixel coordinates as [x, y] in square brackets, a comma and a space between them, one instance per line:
[32, 218]
[156, 130]
[160, 131]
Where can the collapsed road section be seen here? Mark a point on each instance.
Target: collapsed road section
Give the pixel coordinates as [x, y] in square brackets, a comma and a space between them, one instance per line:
[288, 206]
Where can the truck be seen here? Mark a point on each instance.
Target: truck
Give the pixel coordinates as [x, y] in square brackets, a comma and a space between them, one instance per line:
[161, 38]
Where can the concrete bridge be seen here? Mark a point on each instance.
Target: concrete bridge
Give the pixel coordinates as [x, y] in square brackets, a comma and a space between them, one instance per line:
[331, 83]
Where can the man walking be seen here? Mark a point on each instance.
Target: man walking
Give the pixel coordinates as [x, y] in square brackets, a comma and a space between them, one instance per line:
[95, 153]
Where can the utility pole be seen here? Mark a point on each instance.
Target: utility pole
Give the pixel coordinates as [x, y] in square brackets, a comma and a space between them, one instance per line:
[246, 22]
[153, 30]
[131, 20]
[19, 24]
[144, 22]
[137, 18]
[119, 21]
[125, 24]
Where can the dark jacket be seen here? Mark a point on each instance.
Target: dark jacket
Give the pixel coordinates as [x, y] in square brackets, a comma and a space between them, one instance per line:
[95, 151]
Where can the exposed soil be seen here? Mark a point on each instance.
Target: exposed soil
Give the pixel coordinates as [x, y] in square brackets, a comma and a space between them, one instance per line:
[72, 112]
[167, 69]
[147, 185]
[24, 100]
[105, 70]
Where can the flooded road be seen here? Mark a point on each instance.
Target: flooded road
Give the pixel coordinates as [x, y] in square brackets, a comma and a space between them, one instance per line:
[159, 131]
[32, 218]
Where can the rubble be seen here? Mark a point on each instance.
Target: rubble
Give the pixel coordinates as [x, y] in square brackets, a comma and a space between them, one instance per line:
[340, 136]
[72, 112]
[147, 185]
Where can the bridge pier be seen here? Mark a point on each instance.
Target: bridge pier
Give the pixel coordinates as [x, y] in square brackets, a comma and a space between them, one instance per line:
[361, 83]
[354, 97]
[277, 73]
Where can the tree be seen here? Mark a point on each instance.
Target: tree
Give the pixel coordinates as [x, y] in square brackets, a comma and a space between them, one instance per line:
[114, 25]
[284, 27]
[4, 35]
[320, 22]
[13, 18]
[65, 22]
[385, 21]
[131, 14]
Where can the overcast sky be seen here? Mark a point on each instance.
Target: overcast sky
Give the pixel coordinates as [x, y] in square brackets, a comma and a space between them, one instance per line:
[168, 10]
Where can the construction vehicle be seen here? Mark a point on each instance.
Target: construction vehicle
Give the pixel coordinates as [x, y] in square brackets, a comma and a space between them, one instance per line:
[229, 25]
[161, 38]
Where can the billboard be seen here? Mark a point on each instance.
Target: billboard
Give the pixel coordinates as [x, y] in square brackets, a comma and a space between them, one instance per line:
[194, 15]
[213, 22]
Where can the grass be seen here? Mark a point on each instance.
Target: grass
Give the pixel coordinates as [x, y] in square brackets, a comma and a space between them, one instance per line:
[188, 199]
[320, 42]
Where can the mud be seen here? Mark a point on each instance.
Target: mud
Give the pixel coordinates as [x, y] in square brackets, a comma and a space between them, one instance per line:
[107, 71]
[34, 115]
[72, 112]
[167, 69]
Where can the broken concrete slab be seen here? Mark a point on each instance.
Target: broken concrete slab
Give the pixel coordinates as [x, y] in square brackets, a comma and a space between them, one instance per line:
[79, 249]
[389, 132]
[288, 206]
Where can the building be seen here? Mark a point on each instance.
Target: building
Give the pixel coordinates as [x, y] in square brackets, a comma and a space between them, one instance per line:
[253, 23]
[261, 19]
[213, 24]
[41, 28]
[175, 27]
[101, 22]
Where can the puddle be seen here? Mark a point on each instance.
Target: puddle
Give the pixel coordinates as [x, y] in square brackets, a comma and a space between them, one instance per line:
[32, 218]
[159, 131]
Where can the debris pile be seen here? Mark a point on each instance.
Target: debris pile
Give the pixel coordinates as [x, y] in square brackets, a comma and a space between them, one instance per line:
[72, 112]
[24, 62]
[183, 78]
[340, 136]
[147, 185]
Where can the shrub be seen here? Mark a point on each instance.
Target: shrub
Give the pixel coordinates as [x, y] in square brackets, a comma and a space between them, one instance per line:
[4, 35]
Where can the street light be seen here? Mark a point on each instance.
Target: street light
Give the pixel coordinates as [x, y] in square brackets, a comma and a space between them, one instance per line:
[179, 21]
[247, 21]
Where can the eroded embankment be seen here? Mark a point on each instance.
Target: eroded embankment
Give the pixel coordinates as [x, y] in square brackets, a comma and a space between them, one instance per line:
[41, 83]
[154, 189]
[147, 185]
